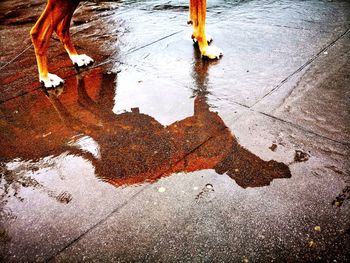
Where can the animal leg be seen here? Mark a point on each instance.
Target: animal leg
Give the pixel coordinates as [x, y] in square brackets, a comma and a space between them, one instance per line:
[62, 31]
[198, 16]
[192, 16]
[41, 34]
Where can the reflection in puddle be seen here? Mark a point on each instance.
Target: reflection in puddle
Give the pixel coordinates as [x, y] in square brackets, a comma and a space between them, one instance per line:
[130, 147]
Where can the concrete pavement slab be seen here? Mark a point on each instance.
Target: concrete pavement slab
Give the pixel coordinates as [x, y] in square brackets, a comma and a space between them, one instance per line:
[81, 165]
[318, 99]
[189, 222]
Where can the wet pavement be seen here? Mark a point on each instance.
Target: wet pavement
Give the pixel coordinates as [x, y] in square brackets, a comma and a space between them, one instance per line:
[155, 155]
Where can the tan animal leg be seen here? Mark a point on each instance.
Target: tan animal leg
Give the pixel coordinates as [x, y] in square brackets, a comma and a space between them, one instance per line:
[62, 31]
[41, 33]
[191, 13]
[198, 16]
[56, 17]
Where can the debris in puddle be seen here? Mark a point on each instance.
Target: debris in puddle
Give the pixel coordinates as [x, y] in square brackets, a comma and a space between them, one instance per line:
[273, 147]
[315, 173]
[245, 260]
[311, 244]
[301, 156]
[161, 189]
[345, 195]
[209, 186]
[47, 134]
[64, 197]
[334, 169]
[135, 110]
[317, 228]
[337, 203]
[205, 190]
[11, 181]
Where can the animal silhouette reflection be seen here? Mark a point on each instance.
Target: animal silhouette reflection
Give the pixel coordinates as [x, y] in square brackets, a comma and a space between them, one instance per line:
[133, 147]
[136, 148]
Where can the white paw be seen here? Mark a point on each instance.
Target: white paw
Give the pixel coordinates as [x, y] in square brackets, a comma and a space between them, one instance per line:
[212, 52]
[81, 60]
[51, 80]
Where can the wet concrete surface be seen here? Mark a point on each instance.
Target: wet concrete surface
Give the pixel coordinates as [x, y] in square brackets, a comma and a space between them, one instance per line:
[154, 155]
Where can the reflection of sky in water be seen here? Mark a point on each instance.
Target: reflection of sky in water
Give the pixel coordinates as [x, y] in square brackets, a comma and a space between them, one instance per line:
[166, 101]
[88, 144]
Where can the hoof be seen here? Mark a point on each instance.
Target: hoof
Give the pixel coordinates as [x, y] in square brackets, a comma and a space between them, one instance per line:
[51, 81]
[81, 60]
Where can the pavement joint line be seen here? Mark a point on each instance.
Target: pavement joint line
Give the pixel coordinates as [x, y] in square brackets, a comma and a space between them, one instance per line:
[305, 130]
[23, 93]
[276, 25]
[251, 108]
[132, 50]
[51, 258]
[20, 54]
[345, 143]
[307, 63]
[53, 38]
[237, 103]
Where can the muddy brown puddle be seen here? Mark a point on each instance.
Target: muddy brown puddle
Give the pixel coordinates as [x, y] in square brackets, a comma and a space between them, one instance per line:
[127, 148]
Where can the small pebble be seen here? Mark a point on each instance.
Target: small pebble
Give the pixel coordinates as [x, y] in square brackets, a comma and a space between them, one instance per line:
[273, 147]
[161, 189]
[209, 186]
[311, 244]
[317, 228]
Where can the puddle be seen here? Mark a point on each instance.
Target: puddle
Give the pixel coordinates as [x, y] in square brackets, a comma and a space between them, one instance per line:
[131, 147]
